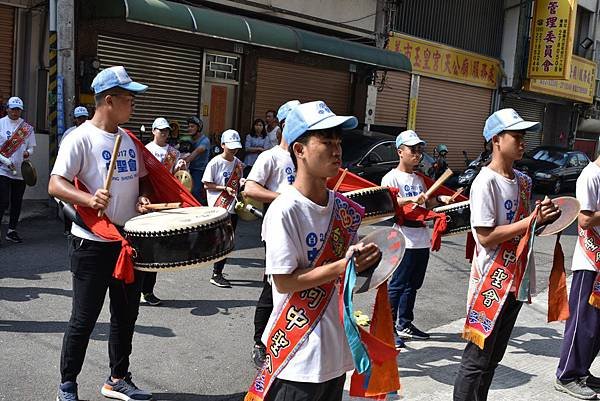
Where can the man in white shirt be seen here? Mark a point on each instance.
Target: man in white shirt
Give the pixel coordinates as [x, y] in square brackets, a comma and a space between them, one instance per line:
[582, 330]
[272, 173]
[12, 153]
[273, 129]
[80, 115]
[85, 155]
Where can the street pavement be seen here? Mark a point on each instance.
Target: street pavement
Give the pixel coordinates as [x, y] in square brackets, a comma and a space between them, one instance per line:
[197, 345]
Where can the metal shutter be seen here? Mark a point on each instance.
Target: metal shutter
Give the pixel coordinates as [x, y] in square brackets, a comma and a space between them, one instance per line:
[452, 114]
[172, 74]
[392, 101]
[7, 21]
[279, 81]
[532, 111]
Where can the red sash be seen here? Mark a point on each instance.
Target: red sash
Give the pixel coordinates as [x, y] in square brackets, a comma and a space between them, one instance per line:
[225, 200]
[166, 189]
[16, 139]
[303, 310]
[508, 266]
[589, 240]
[170, 158]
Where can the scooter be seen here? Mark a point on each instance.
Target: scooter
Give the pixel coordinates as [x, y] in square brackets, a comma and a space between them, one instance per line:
[466, 178]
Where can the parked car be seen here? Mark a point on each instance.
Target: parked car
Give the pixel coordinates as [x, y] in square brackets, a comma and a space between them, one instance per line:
[553, 169]
[371, 154]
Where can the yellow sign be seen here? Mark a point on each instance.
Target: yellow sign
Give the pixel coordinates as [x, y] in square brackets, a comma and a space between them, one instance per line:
[445, 62]
[580, 85]
[552, 31]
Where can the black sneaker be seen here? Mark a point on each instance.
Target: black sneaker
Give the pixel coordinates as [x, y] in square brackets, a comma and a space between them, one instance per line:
[576, 388]
[151, 299]
[220, 281]
[411, 332]
[124, 389]
[259, 353]
[13, 237]
[593, 382]
[67, 392]
[399, 343]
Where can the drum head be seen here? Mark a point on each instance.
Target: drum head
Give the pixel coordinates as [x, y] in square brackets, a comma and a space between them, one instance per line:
[174, 219]
[185, 178]
[569, 210]
[392, 245]
[241, 210]
[29, 173]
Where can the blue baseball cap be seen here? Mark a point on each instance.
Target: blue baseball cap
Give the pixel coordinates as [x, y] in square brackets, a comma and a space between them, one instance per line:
[507, 120]
[313, 116]
[408, 138]
[116, 77]
[80, 111]
[285, 109]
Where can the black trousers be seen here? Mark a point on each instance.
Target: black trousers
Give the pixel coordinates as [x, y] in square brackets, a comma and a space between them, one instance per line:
[263, 310]
[11, 193]
[285, 390]
[148, 280]
[478, 365]
[92, 265]
[218, 267]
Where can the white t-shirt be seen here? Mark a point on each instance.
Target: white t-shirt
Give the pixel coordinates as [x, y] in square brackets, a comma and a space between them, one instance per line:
[273, 170]
[494, 201]
[86, 154]
[160, 152]
[7, 128]
[218, 170]
[409, 185]
[272, 137]
[588, 194]
[296, 231]
[67, 132]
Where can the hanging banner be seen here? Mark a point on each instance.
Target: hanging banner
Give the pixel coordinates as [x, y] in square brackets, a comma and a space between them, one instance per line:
[580, 85]
[444, 62]
[552, 32]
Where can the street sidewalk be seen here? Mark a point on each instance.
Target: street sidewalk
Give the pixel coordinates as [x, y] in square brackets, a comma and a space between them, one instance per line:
[527, 372]
[34, 208]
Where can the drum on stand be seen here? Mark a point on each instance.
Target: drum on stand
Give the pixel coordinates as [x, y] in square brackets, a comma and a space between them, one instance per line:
[377, 201]
[179, 239]
[458, 217]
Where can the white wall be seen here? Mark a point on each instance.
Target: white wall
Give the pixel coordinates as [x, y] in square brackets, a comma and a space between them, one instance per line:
[509, 40]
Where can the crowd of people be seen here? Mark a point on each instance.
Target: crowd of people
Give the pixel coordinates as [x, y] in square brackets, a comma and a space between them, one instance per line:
[300, 348]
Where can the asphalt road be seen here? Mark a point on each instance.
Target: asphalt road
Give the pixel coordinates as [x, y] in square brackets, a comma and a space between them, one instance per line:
[197, 345]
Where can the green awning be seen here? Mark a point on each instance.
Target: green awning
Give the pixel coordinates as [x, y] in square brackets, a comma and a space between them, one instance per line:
[216, 24]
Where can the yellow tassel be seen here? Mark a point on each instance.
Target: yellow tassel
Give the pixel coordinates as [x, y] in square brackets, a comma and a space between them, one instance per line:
[252, 397]
[594, 301]
[474, 336]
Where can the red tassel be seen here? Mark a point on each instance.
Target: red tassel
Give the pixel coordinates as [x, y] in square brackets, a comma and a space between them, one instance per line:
[558, 302]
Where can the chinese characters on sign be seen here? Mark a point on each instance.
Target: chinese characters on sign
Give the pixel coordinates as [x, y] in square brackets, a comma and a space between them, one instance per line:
[552, 30]
[580, 84]
[445, 62]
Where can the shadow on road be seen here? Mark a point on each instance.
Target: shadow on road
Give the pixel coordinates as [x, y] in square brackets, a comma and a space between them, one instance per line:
[197, 397]
[205, 307]
[24, 294]
[100, 332]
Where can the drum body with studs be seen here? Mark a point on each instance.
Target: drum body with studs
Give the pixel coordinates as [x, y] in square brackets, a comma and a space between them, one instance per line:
[458, 217]
[377, 201]
[179, 239]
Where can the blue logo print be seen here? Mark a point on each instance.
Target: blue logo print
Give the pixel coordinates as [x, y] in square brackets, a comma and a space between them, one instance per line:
[106, 155]
[132, 153]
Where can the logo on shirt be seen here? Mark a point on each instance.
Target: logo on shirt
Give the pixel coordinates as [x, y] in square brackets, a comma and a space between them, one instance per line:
[132, 153]
[510, 213]
[412, 190]
[106, 155]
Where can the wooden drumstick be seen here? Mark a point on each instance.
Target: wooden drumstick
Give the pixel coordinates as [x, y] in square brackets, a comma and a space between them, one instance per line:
[455, 195]
[111, 168]
[440, 181]
[339, 181]
[163, 206]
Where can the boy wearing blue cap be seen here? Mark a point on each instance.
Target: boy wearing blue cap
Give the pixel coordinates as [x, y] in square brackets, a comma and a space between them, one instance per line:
[80, 115]
[86, 157]
[309, 231]
[499, 204]
[222, 182]
[272, 173]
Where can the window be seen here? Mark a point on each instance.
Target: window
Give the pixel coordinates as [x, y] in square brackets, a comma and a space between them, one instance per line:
[383, 153]
[222, 67]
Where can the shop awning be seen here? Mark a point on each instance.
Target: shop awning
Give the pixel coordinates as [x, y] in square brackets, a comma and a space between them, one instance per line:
[216, 24]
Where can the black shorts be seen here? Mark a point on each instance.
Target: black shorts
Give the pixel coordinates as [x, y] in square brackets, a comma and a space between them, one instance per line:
[286, 390]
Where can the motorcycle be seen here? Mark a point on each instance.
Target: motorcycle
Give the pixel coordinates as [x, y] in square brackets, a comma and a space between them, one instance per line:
[466, 178]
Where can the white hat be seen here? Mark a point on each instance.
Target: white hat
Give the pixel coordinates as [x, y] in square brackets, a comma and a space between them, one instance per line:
[507, 120]
[160, 123]
[408, 138]
[313, 116]
[80, 111]
[231, 138]
[15, 103]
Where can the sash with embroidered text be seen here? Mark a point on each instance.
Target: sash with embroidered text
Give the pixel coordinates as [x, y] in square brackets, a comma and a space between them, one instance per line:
[589, 240]
[303, 310]
[507, 268]
[16, 139]
[225, 199]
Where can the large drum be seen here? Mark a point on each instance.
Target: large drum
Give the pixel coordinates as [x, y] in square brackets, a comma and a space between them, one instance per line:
[179, 239]
[377, 201]
[458, 217]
